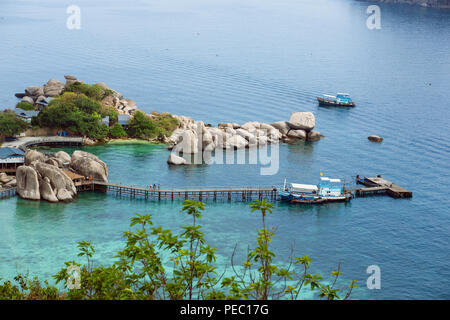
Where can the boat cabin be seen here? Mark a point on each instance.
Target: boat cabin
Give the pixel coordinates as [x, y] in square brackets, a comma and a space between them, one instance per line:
[303, 188]
[343, 98]
[330, 187]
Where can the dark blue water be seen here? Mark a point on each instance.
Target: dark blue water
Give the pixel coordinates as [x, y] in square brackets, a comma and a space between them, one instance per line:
[253, 60]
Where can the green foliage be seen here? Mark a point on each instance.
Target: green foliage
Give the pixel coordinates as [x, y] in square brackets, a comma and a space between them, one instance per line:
[75, 113]
[28, 289]
[11, 124]
[140, 268]
[117, 131]
[146, 127]
[25, 106]
[92, 91]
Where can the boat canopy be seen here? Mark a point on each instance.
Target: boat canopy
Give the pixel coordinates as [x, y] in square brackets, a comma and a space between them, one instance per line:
[335, 180]
[343, 94]
[324, 179]
[304, 187]
[329, 96]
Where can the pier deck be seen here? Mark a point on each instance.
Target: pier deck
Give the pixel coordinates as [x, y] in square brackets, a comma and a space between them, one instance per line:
[212, 193]
[381, 185]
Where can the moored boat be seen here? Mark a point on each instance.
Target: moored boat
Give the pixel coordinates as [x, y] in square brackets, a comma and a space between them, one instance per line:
[328, 190]
[340, 100]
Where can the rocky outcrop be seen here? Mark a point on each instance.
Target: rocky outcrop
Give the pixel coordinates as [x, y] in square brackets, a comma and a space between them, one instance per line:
[89, 165]
[193, 137]
[43, 177]
[62, 185]
[27, 183]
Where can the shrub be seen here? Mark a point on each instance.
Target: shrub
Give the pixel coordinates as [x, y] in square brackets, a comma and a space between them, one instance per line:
[92, 91]
[117, 131]
[25, 106]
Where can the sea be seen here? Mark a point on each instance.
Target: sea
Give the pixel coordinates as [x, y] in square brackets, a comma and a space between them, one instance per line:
[252, 60]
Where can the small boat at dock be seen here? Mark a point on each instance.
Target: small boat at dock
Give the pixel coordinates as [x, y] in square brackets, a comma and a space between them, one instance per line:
[339, 100]
[328, 190]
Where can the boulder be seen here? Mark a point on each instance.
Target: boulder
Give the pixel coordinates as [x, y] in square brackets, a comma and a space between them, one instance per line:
[176, 160]
[27, 183]
[236, 142]
[298, 134]
[103, 85]
[54, 162]
[58, 180]
[53, 88]
[34, 91]
[375, 138]
[33, 155]
[11, 184]
[28, 100]
[314, 136]
[246, 135]
[46, 190]
[4, 178]
[70, 80]
[188, 143]
[87, 164]
[302, 120]
[176, 135]
[63, 156]
[282, 126]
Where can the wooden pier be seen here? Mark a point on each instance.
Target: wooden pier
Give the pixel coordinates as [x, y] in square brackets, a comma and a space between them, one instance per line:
[6, 193]
[210, 193]
[379, 185]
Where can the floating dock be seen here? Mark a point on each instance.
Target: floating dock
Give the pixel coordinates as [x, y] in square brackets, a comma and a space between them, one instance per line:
[379, 185]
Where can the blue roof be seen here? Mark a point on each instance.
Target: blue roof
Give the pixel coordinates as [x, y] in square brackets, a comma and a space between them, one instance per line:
[10, 153]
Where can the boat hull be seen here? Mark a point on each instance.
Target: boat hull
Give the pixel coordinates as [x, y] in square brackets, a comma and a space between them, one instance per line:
[326, 102]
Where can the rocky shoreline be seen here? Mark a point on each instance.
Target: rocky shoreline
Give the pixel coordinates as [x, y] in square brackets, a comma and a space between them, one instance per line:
[193, 137]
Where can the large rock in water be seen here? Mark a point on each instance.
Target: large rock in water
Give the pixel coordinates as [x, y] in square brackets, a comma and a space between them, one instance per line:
[33, 155]
[176, 160]
[375, 138]
[88, 164]
[188, 144]
[27, 183]
[62, 186]
[302, 120]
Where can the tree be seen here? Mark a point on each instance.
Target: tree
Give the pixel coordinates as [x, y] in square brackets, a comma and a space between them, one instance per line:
[10, 124]
[117, 131]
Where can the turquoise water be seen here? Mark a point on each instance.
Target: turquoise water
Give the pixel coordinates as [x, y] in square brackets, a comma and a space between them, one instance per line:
[253, 60]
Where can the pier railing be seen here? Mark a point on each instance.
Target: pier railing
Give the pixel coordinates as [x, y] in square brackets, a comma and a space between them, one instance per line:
[193, 193]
